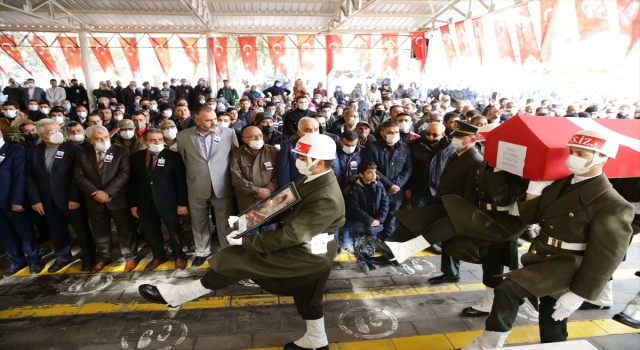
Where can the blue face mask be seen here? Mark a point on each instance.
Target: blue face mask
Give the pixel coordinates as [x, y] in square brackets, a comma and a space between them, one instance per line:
[137, 108]
[166, 86]
[66, 106]
[338, 89]
[272, 113]
[184, 84]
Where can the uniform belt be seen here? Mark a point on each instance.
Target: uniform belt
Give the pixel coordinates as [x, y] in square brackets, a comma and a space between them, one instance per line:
[493, 207]
[564, 245]
[636, 206]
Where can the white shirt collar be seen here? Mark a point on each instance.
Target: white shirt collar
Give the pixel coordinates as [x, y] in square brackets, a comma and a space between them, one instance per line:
[578, 178]
[313, 177]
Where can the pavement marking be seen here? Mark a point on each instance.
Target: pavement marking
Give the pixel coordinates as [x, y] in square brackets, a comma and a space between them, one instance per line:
[456, 340]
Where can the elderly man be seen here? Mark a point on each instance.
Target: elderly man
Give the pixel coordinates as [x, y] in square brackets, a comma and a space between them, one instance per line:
[55, 94]
[264, 121]
[150, 92]
[75, 134]
[128, 96]
[206, 151]
[54, 194]
[286, 161]
[102, 172]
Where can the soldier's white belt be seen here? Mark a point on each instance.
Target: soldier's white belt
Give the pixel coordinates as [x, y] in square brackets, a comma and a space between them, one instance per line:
[636, 206]
[489, 206]
[565, 245]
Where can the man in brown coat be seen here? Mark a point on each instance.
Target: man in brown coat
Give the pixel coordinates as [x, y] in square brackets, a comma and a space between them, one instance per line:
[585, 231]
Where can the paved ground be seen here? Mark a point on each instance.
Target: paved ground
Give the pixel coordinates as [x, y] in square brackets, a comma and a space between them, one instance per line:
[382, 309]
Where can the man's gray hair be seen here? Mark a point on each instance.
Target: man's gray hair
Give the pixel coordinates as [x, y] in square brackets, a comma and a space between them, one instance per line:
[98, 129]
[105, 100]
[44, 122]
[440, 127]
[303, 119]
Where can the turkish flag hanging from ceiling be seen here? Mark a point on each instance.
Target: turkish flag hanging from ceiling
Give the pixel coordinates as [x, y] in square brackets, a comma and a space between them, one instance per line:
[41, 48]
[130, 49]
[362, 43]
[71, 52]
[333, 46]
[478, 34]
[161, 47]
[218, 47]
[448, 44]
[629, 17]
[190, 46]
[548, 19]
[463, 40]
[277, 51]
[306, 44]
[9, 46]
[100, 48]
[592, 17]
[419, 44]
[390, 52]
[524, 31]
[505, 49]
[249, 53]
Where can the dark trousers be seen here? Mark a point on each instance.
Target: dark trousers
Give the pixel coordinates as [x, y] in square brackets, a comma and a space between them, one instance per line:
[302, 296]
[508, 297]
[18, 237]
[42, 228]
[58, 221]
[101, 225]
[389, 223]
[492, 259]
[150, 221]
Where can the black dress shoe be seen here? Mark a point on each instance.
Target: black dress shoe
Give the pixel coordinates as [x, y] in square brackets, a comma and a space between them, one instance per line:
[151, 293]
[293, 346]
[57, 266]
[87, 264]
[444, 279]
[626, 320]
[471, 312]
[35, 269]
[377, 262]
[384, 249]
[588, 306]
[13, 269]
[198, 261]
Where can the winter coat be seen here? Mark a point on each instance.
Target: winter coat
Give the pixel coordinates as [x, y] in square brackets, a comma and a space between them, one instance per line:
[394, 164]
[366, 203]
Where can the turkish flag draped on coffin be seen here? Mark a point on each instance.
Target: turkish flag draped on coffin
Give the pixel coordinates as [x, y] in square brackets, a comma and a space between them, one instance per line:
[448, 44]
[478, 34]
[390, 52]
[419, 44]
[629, 17]
[41, 48]
[277, 51]
[100, 48]
[306, 44]
[218, 47]
[592, 17]
[463, 41]
[548, 19]
[524, 31]
[71, 52]
[161, 47]
[190, 46]
[333, 46]
[505, 49]
[362, 44]
[130, 48]
[249, 53]
[537, 146]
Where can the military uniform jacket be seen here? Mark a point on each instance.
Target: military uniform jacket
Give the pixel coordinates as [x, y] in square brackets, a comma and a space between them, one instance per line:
[592, 213]
[279, 259]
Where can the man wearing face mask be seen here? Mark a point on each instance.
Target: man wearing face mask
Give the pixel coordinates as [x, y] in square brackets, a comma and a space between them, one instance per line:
[54, 194]
[292, 118]
[77, 95]
[167, 93]
[169, 132]
[139, 120]
[571, 243]
[150, 92]
[127, 138]
[393, 116]
[33, 92]
[164, 112]
[348, 153]
[323, 127]
[129, 95]
[81, 114]
[378, 115]
[271, 136]
[29, 134]
[11, 115]
[201, 91]
[75, 134]
[43, 111]
[55, 94]
[277, 90]
[33, 111]
[206, 151]
[394, 168]
[326, 111]
[349, 120]
[405, 123]
[57, 115]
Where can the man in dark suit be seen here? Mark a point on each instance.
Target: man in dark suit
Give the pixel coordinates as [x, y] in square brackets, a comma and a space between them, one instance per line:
[54, 194]
[158, 189]
[128, 96]
[18, 238]
[150, 92]
[102, 172]
[77, 94]
[184, 119]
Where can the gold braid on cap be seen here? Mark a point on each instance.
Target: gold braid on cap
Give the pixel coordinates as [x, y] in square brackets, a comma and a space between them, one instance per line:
[464, 132]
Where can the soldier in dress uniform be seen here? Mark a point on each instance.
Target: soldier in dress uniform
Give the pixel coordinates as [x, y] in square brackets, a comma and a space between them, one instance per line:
[294, 260]
[585, 231]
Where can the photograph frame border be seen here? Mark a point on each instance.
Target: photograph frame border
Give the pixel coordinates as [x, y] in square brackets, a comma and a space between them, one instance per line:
[294, 191]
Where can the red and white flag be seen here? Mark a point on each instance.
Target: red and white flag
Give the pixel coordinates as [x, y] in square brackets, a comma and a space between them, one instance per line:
[100, 48]
[548, 19]
[41, 48]
[524, 31]
[218, 47]
[333, 46]
[505, 48]
[161, 47]
[9, 46]
[629, 17]
[420, 45]
[72, 55]
[448, 44]
[190, 46]
[306, 45]
[390, 52]
[249, 53]
[478, 35]
[130, 48]
[463, 40]
[592, 18]
[362, 44]
[277, 51]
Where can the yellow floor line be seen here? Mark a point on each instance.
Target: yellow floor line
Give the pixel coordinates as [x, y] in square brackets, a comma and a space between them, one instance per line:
[456, 340]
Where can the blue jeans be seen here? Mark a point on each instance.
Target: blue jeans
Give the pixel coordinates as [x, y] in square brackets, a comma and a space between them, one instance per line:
[347, 235]
[420, 200]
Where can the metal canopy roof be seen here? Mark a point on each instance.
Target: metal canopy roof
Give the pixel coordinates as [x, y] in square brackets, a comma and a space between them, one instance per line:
[241, 16]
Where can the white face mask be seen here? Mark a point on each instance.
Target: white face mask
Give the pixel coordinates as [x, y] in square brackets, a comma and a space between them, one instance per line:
[31, 86]
[167, 113]
[404, 127]
[353, 121]
[256, 144]
[170, 133]
[155, 148]
[153, 107]
[304, 168]
[348, 149]
[33, 108]
[45, 110]
[117, 117]
[56, 138]
[11, 113]
[457, 144]
[392, 139]
[82, 114]
[303, 106]
[140, 125]
[577, 166]
[103, 146]
[126, 134]
[224, 124]
[77, 137]
[59, 120]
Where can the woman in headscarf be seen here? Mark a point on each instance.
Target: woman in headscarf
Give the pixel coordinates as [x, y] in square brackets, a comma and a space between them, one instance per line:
[299, 89]
[357, 92]
[339, 95]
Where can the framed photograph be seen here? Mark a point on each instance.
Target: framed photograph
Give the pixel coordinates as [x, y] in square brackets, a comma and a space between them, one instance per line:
[265, 210]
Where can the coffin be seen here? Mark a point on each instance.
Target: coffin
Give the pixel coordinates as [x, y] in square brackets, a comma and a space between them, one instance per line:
[535, 147]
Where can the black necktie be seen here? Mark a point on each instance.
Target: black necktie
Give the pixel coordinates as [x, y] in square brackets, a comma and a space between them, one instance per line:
[152, 158]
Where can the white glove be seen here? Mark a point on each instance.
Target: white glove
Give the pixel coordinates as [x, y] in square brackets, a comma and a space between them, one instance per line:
[535, 187]
[232, 240]
[232, 220]
[496, 170]
[566, 305]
